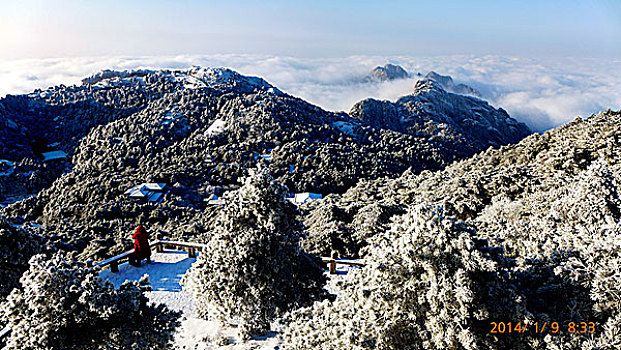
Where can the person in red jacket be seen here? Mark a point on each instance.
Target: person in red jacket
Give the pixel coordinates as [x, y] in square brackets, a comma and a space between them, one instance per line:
[141, 247]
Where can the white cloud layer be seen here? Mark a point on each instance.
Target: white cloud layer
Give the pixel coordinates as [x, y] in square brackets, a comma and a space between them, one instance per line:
[543, 93]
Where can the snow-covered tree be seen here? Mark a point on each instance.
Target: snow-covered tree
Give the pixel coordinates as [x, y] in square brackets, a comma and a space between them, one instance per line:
[326, 230]
[64, 305]
[252, 269]
[17, 246]
[427, 285]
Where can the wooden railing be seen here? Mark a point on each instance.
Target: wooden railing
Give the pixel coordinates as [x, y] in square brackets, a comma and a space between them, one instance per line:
[332, 262]
[192, 249]
[5, 332]
[158, 245]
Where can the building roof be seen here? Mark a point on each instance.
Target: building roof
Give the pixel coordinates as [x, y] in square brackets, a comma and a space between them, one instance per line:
[214, 200]
[301, 198]
[53, 155]
[152, 186]
[156, 196]
[131, 190]
[152, 192]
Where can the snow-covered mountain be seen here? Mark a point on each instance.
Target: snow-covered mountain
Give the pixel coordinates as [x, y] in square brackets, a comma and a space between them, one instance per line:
[387, 72]
[465, 123]
[199, 131]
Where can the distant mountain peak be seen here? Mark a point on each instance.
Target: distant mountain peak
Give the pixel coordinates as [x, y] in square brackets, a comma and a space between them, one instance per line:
[387, 72]
[427, 84]
[471, 124]
[446, 82]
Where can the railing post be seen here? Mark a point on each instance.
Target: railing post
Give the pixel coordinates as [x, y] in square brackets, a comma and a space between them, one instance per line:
[159, 248]
[190, 253]
[333, 258]
[114, 266]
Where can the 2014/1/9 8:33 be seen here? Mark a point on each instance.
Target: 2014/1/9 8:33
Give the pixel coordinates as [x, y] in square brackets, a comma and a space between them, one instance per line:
[541, 327]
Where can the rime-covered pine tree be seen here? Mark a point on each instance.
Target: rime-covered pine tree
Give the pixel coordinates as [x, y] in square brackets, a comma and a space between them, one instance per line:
[17, 246]
[64, 305]
[426, 285]
[252, 269]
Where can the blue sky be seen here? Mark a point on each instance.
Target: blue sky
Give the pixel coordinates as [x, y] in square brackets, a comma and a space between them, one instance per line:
[320, 28]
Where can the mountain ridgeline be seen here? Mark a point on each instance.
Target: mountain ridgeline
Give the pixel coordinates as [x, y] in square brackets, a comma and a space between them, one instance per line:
[199, 131]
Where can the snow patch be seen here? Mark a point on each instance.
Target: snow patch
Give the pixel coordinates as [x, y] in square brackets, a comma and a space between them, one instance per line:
[216, 77]
[304, 197]
[165, 271]
[216, 127]
[54, 155]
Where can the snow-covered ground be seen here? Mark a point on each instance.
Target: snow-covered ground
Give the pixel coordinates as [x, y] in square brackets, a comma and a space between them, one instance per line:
[165, 273]
[217, 127]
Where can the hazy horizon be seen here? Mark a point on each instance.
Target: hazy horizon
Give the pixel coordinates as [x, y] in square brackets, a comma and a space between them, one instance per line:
[70, 28]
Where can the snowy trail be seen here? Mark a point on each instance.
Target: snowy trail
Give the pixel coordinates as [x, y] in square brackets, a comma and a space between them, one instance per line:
[165, 273]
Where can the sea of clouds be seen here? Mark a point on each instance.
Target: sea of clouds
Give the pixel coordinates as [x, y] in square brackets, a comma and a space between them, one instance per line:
[543, 93]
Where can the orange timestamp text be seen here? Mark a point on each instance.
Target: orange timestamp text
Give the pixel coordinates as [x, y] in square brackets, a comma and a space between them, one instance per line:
[542, 327]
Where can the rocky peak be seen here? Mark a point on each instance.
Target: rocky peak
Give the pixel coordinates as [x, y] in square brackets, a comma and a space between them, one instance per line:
[466, 124]
[428, 85]
[108, 74]
[387, 72]
[448, 84]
